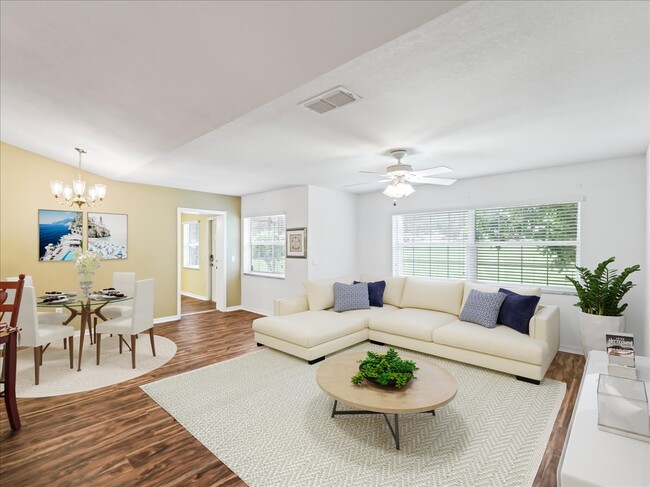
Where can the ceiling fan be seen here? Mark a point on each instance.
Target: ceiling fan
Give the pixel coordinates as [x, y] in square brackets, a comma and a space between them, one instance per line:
[400, 175]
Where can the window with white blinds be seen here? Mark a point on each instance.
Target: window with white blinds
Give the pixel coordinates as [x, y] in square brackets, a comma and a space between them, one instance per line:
[430, 244]
[264, 245]
[520, 245]
[191, 245]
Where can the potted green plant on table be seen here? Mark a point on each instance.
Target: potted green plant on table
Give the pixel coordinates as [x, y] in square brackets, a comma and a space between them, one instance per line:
[385, 369]
[599, 298]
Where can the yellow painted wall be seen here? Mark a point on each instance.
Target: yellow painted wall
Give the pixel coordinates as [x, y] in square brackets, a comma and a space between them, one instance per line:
[152, 227]
[194, 281]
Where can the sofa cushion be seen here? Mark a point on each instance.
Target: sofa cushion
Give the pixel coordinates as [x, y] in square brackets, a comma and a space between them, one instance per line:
[517, 310]
[310, 328]
[410, 322]
[500, 341]
[376, 292]
[350, 296]
[366, 314]
[482, 308]
[320, 293]
[394, 288]
[436, 295]
[528, 291]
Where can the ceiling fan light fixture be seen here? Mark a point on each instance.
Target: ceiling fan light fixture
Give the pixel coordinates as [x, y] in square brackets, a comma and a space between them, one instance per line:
[399, 189]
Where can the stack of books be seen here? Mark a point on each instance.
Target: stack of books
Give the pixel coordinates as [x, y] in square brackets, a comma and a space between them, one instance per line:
[620, 355]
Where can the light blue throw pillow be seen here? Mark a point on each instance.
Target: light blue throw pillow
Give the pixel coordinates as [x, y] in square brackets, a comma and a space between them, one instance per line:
[350, 296]
[482, 308]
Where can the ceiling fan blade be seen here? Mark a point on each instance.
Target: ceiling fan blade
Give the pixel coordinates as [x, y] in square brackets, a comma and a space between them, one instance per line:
[433, 171]
[367, 182]
[382, 174]
[441, 181]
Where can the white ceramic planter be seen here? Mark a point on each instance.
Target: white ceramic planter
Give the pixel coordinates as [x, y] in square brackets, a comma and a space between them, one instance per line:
[594, 327]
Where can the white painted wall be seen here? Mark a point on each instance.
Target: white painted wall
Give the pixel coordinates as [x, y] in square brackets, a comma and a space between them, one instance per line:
[613, 223]
[331, 220]
[259, 293]
[332, 233]
[647, 250]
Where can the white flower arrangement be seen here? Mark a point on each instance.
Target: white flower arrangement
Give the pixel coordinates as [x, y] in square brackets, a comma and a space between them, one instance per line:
[87, 263]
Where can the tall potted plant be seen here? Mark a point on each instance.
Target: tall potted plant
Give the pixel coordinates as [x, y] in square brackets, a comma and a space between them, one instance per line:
[599, 298]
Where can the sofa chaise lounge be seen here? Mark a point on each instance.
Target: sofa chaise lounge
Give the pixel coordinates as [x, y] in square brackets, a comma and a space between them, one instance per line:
[418, 314]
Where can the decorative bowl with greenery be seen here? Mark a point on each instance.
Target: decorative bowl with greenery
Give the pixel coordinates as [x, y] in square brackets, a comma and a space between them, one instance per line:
[387, 370]
[601, 291]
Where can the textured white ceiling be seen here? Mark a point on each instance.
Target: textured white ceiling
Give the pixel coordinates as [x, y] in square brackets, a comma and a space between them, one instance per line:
[206, 95]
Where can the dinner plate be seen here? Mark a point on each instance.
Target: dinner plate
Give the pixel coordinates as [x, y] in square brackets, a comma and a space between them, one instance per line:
[106, 297]
[59, 295]
[61, 299]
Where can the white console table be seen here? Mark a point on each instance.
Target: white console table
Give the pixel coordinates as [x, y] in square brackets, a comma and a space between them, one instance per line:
[596, 458]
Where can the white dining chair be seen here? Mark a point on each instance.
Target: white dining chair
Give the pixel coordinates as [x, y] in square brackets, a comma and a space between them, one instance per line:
[44, 317]
[123, 282]
[39, 335]
[141, 320]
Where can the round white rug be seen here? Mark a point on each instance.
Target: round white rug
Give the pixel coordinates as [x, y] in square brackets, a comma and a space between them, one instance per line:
[56, 377]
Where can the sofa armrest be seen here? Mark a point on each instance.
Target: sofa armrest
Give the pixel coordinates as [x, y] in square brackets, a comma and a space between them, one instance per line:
[289, 306]
[545, 326]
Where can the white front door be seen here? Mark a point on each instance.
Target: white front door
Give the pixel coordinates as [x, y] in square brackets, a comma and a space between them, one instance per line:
[217, 262]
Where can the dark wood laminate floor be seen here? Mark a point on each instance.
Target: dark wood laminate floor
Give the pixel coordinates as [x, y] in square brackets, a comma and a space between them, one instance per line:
[119, 436]
[193, 305]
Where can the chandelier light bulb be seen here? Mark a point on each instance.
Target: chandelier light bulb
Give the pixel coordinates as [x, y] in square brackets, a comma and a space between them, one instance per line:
[56, 187]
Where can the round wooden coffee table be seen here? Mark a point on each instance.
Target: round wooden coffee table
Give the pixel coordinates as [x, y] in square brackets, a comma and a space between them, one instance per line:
[433, 387]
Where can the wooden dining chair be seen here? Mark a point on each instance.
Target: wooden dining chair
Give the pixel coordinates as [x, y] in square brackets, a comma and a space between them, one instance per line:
[10, 299]
[141, 320]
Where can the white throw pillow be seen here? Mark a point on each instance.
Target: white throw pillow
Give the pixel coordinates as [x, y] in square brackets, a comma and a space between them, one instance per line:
[436, 295]
[320, 293]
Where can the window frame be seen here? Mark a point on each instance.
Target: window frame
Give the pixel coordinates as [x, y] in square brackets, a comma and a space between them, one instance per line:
[279, 242]
[191, 247]
[473, 245]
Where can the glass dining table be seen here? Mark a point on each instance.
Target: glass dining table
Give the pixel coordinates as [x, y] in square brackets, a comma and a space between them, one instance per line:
[86, 307]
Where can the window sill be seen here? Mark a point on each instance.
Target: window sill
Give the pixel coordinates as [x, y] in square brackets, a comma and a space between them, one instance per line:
[267, 276]
[192, 268]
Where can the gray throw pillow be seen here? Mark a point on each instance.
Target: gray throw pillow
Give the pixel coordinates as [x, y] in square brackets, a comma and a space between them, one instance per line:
[482, 308]
[350, 296]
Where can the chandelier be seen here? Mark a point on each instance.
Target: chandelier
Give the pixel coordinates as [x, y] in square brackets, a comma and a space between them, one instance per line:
[74, 195]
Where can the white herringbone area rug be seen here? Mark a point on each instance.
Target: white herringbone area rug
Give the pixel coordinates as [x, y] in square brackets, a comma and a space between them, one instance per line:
[264, 416]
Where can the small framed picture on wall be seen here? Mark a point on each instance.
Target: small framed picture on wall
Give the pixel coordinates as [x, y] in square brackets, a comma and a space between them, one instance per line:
[297, 243]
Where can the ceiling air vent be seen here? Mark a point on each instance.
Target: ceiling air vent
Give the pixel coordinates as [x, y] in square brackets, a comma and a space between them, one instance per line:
[330, 100]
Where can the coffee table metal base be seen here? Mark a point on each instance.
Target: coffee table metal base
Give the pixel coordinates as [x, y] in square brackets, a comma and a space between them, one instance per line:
[394, 430]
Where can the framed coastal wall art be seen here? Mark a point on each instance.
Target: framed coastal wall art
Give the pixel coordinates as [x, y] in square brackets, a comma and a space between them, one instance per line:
[60, 233]
[297, 243]
[107, 235]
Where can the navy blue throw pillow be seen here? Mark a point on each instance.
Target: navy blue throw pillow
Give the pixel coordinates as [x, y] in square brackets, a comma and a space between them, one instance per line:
[517, 310]
[376, 293]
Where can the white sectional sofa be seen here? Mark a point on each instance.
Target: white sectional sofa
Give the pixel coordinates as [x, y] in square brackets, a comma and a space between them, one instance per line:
[418, 314]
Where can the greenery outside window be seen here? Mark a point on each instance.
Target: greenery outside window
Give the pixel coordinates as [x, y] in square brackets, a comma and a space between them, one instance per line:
[536, 244]
[191, 245]
[264, 245]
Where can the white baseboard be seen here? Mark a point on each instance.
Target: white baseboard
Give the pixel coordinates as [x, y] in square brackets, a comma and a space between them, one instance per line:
[233, 308]
[257, 311]
[195, 296]
[166, 319]
[576, 350]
